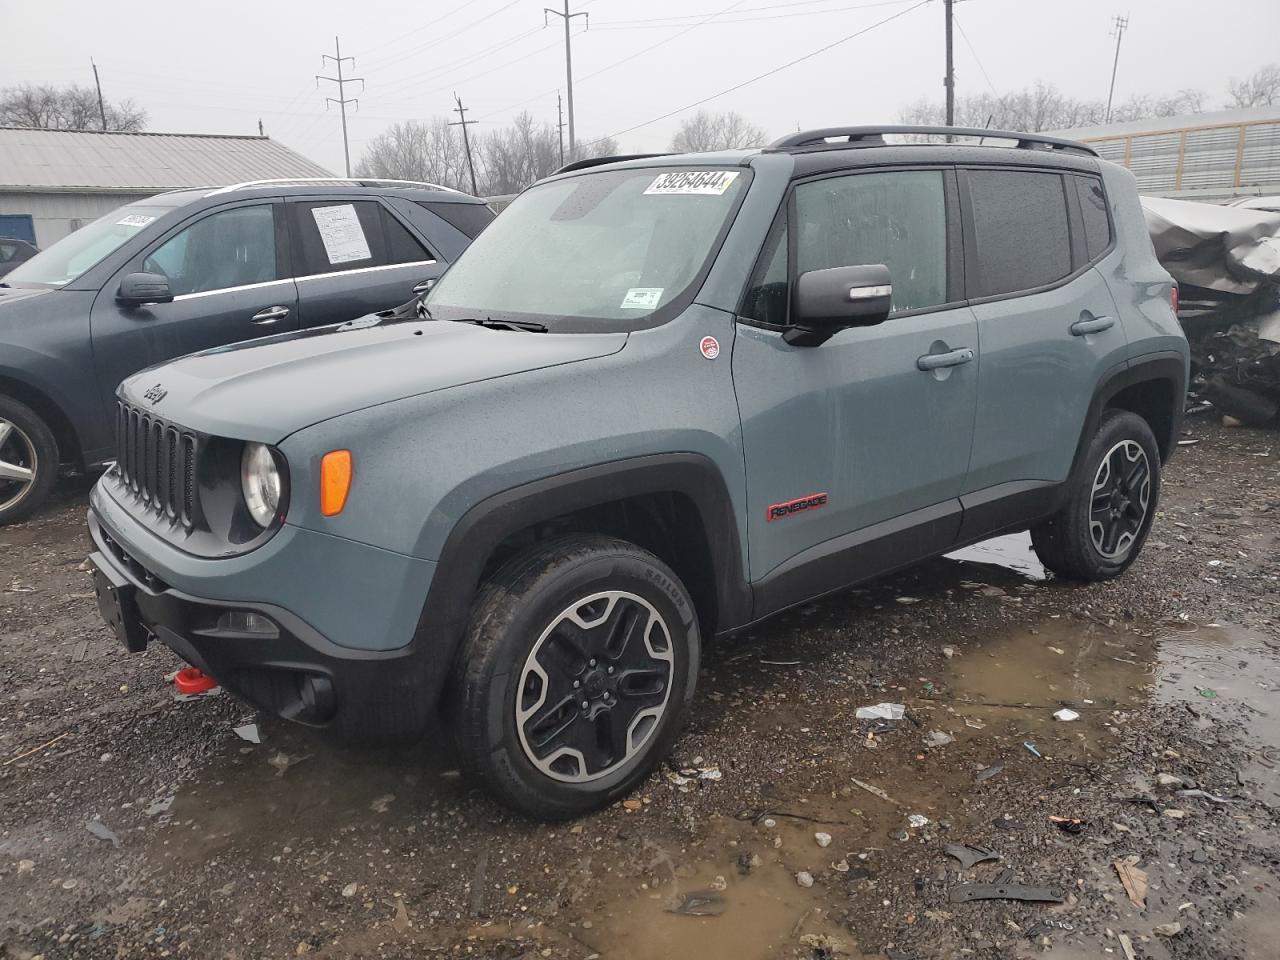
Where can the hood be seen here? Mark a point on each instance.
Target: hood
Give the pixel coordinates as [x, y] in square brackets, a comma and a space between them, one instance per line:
[267, 389]
[13, 295]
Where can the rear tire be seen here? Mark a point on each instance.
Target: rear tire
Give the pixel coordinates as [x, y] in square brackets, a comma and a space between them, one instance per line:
[28, 460]
[1101, 529]
[584, 620]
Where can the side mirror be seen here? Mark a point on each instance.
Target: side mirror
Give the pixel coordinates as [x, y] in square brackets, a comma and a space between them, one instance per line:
[827, 301]
[139, 289]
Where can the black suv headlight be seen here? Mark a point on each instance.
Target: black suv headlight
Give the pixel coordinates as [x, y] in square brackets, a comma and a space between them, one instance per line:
[261, 482]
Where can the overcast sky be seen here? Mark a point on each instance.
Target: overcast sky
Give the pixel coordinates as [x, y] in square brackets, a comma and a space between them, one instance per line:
[218, 68]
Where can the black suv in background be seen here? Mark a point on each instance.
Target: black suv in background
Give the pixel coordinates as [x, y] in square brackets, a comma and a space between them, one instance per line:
[189, 270]
[13, 252]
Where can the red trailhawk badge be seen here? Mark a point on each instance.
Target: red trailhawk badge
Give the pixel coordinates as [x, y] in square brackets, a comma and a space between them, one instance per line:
[710, 347]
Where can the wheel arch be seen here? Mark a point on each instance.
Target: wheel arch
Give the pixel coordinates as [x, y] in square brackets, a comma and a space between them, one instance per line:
[70, 449]
[675, 505]
[1153, 387]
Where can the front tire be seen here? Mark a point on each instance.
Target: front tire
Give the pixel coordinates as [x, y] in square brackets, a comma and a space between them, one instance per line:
[28, 460]
[1104, 524]
[574, 676]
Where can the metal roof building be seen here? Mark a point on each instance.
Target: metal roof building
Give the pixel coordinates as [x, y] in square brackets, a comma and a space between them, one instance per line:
[54, 181]
[1200, 156]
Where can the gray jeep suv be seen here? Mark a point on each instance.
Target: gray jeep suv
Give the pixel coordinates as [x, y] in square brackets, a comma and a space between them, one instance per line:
[189, 270]
[655, 401]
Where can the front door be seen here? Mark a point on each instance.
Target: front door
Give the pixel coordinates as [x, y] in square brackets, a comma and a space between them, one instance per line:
[864, 438]
[226, 272]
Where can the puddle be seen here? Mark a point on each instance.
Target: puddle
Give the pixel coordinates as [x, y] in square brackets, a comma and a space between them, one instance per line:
[765, 913]
[1013, 552]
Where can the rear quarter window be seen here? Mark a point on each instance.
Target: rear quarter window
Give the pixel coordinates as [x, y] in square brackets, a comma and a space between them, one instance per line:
[469, 218]
[1093, 212]
[1020, 231]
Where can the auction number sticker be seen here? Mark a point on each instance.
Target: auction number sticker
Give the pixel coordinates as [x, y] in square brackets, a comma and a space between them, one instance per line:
[642, 298]
[704, 183]
[134, 220]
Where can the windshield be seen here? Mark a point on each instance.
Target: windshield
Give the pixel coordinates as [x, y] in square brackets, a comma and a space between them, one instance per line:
[608, 248]
[77, 252]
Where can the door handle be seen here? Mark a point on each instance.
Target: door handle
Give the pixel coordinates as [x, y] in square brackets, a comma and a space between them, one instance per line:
[269, 316]
[936, 361]
[1093, 325]
[422, 286]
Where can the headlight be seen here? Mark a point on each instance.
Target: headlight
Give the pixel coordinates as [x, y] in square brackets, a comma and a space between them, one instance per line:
[261, 482]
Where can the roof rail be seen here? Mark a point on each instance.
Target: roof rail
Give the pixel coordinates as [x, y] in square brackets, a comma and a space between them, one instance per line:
[348, 181]
[874, 137]
[597, 161]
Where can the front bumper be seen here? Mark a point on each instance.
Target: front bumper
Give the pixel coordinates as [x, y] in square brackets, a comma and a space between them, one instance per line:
[294, 671]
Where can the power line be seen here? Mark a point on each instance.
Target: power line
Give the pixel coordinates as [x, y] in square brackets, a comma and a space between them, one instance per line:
[446, 68]
[675, 21]
[409, 54]
[976, 59]
[342, 99]
[769, 73]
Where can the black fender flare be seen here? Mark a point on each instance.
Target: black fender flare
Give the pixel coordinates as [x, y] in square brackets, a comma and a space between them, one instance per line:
[480, 530]
[1165, 365]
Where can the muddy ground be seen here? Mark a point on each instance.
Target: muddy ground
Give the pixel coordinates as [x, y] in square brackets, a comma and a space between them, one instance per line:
[139, 826]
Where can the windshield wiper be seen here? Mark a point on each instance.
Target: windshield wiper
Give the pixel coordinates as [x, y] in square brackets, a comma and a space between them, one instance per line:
[527, 325]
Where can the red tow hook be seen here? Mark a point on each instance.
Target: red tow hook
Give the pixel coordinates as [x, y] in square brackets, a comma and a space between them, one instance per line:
[192, 681]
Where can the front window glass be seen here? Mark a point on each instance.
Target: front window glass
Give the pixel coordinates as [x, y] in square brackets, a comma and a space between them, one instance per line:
[608, 248]
[898, 219]
[231, 248]
[76, 253]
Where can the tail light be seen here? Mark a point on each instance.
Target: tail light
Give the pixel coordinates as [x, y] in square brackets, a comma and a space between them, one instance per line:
[1173, 298]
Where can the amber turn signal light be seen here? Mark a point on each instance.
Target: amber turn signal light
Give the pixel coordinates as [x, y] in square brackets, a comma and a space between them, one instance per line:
[335, 481]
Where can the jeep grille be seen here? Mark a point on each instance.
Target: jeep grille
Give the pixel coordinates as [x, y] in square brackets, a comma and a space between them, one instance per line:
[156, 461]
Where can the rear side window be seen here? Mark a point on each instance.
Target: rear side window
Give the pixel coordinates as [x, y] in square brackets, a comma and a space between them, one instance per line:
[339, 235]
[1020, 227]
[898, 219]
[1093, 211]
[470, 218]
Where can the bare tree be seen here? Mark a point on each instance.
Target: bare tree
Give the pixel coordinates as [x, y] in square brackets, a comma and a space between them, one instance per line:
[507, 159]
[1262, 89]
[1044, 107]
[66, 108]
[706, 131]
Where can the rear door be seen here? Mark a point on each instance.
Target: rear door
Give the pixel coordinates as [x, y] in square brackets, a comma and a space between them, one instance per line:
[1046, 320]
[228, 271]
[352, 256]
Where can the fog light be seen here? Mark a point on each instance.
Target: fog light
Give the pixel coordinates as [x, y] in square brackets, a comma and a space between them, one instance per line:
[246, 621]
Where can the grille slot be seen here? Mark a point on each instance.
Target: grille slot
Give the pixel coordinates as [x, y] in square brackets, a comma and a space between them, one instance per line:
[157, 462]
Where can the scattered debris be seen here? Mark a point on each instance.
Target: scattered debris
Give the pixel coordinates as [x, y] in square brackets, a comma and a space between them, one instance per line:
[986, 773]
[937, 738]
[1168, 780]
[873, 790]
[804, 878]
[908, 600]
[1207, 692]
[948, 652]
[967, 892]
[247, 731]
[970, 857]
[632, 804]
[350, 889]
[1031, 748]
[881, 711]
[823, 839]
[1134, 880]
[102, 832]
[1068, 824]
[1126, 944]
[1205, 795]
[719, 884]
[918, 821]
[158, 807]
[1167, 929]
[281, 761]
[1066, 715]
[381, 804]
[1008, 823]
[44, 746]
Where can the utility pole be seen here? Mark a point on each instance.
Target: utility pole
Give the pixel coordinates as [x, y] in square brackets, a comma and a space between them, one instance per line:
[949, 81]
[568, 63]
[341, 100]
[463, 122]
[102, 110]
[560, 124]
[1120, 24]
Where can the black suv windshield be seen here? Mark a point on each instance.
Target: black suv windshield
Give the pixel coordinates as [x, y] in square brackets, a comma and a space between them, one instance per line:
[77, 252]
[609, 248]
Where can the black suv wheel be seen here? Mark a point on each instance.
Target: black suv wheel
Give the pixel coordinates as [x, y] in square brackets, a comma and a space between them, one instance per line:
[1101, 530]
[574, 676]
[28, 460]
